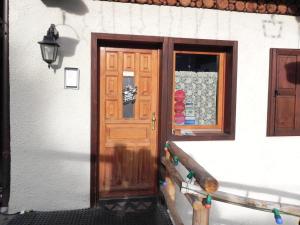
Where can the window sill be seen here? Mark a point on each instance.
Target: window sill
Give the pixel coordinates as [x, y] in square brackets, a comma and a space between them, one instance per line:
[201, 136]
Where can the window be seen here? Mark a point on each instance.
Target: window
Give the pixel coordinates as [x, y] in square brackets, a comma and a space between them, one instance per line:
[284, 93]
[203, 81]
[198, 84]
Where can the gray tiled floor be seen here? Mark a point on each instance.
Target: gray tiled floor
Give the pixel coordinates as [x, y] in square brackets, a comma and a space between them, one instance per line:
[134, 211]
[5, 219]
[95, 216]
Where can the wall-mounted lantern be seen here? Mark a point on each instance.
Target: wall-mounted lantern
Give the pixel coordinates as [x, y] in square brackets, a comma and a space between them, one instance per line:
[49, 47]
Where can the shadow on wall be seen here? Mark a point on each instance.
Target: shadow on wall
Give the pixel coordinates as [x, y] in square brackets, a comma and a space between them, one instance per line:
[228, 214]
[291, 72]
[272, 28]
[67, 49]
[263, 190]
[246, 217]
[47, 173]
[77, 7]
[254, 217]
[54, 173]
[126, 171]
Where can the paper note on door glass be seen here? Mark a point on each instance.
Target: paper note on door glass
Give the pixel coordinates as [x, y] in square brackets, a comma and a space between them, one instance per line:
[128, 73]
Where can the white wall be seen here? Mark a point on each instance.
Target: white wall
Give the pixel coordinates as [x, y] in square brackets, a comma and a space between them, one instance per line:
[50, 126]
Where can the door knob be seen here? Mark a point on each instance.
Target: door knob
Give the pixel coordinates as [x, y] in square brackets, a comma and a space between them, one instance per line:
[153, 120]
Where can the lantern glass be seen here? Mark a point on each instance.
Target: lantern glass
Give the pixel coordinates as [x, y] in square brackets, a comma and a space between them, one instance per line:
[49, 52]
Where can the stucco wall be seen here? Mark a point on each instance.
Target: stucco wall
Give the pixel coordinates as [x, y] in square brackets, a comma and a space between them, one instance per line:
[50, 126]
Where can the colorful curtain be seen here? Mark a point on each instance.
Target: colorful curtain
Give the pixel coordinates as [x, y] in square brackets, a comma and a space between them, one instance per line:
[200, 95]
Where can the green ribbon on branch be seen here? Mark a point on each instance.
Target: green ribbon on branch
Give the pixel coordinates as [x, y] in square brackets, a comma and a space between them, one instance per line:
[191, 174]
[208, 200]
[277, 216]
[167, 145]
[276, 212]
[162, 182]
[175, 158]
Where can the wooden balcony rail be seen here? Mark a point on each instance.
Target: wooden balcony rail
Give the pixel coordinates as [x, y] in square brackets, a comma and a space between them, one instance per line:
[196, 193]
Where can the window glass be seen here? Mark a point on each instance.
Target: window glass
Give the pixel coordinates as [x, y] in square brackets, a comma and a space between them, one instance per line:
[195, 97]
[129, 92]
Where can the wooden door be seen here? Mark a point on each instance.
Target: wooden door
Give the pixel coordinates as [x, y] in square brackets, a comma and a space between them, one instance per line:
[285, 93]
[128, 127]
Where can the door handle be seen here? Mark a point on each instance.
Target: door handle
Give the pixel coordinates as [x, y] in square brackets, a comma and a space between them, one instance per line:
[153, 121]
[277, 93]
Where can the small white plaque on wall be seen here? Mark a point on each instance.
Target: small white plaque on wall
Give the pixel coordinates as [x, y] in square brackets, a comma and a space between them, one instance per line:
[71, 78]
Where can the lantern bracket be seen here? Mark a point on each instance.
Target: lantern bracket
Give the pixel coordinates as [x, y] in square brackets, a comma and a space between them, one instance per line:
[52, 32]
[52, 35]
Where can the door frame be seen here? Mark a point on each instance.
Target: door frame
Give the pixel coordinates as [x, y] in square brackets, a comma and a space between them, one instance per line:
[130, 41]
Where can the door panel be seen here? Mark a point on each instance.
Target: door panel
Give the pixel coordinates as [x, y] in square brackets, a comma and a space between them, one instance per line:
[112, 62]
[285, 93]
[111, 109]
[120, 132]
[286, 71]
[128, 132]
[129, 62]
[285, 112]
[111, 87]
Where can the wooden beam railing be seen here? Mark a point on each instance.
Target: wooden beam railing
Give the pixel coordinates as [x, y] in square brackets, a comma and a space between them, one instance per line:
[205, 180]
[172, 178]
[206, 185]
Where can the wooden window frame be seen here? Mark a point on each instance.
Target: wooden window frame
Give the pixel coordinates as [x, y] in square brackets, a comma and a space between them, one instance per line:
[226, 129]
[220, 96]
[274, 52]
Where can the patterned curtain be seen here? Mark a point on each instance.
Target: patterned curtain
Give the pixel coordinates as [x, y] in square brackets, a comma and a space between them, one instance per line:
[201, 95]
